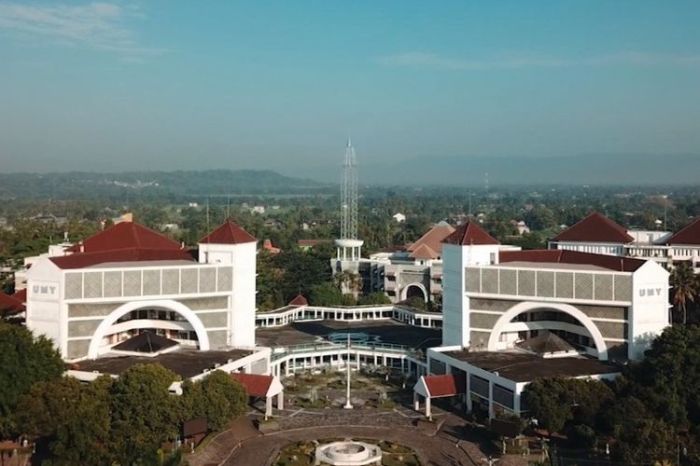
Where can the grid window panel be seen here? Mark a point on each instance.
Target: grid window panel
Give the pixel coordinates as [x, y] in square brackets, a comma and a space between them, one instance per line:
[225, 279]
[171, 281]
[132, 283]
[565, 284]
[489, 281]
[74, 285]
[503, 396]
[545, 284]
[188, 280]
[151, 282]
[526, 282]
[113, 284]
[508, 282]
[583, 286]
[603, 287]
[623, 288]
[472, 279]
[207, 280]
[92, 285]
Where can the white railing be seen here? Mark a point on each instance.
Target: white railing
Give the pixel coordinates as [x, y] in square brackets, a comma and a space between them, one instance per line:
[290, 314]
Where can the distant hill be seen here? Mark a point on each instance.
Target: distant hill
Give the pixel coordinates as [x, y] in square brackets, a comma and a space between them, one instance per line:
[578, 170]
[78, 185]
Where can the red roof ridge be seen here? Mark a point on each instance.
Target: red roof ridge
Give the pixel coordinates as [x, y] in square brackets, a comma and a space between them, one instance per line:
[444, 385]
[88, 259]
[299, 300]
[597, 228]
[125, 235]
[565, 256]
[689, 234]
[10, 305]
[255, 384]
[228, 232]
[470, 233]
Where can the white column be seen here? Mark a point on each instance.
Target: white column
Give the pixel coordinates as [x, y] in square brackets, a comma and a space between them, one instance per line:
[268, 407]
[416, 401]
[428, 413]
[280, 400]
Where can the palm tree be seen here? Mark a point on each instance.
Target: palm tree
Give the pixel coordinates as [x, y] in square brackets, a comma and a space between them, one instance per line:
[685, 287]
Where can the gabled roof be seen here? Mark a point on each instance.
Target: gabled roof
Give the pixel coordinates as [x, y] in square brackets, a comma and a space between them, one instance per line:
[564, 256]
[89, 259]
[689, 234]
[228, 233]
[470, 233]
[126, 235]
[429, 246]
[146, 342]
[595, 228]
[546, 342]
[259, 386]
[299, 300]
[10, 305]
[437, 386]
[424, 252]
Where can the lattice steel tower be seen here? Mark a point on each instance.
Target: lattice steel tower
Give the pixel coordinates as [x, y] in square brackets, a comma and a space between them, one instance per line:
[348, 244]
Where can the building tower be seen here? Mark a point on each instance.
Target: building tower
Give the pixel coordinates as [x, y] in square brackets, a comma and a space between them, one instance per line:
[348, 246]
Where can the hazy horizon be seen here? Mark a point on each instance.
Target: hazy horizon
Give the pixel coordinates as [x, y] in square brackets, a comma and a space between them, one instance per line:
[171, 85]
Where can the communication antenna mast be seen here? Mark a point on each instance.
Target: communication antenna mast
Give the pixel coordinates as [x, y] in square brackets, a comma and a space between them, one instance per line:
[348, 244]
[348, 195]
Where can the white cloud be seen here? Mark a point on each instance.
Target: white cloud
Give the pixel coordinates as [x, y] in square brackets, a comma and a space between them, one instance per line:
[99, 26]
[430, 60]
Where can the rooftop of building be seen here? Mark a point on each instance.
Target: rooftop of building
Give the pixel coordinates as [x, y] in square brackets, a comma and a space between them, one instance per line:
[383, 331]
[10, 305]
[690, 234]
[186, 363]
[128, 243]
[595, 228]
[470, 233]
[429, 246]
[562, 258]
[520, 366]
[228, 233]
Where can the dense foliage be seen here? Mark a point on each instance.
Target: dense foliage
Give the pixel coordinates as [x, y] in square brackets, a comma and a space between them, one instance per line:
[652, 412]
[24, 361]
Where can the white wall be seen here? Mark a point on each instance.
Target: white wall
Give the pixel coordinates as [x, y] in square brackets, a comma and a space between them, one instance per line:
[242, 302]
[45, 313]
[649, 314]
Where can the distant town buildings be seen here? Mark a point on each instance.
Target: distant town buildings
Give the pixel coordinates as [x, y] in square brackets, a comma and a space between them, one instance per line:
[598, 234]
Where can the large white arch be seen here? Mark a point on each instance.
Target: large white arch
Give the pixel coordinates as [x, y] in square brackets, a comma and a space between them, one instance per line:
[526, 306]
[167, 304]
[404, 291]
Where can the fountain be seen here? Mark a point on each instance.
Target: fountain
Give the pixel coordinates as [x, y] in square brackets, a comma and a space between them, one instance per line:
[349, 453]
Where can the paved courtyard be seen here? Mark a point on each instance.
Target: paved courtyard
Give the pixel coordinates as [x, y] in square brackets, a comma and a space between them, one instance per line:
[384, 331]
[242, 446]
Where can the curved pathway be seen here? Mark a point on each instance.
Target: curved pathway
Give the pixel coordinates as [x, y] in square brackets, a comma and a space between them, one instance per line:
[432, 451]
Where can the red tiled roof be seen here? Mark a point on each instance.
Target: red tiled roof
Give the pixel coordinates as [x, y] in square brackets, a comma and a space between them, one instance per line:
[21, 296]
[299, 300]
[470, 233]
[10, 305]
[689, 234]
[255, 385]
[596, 228]
[228, 233]
[126, 235]
[563, 256]
[88, 259]
[444, 385]
[429, 246]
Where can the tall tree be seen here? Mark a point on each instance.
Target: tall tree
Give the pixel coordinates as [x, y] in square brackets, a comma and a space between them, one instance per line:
[24, 360]
[684, 285]
[144, 413]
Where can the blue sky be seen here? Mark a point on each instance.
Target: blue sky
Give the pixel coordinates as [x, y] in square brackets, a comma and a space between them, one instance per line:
[262, 84]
